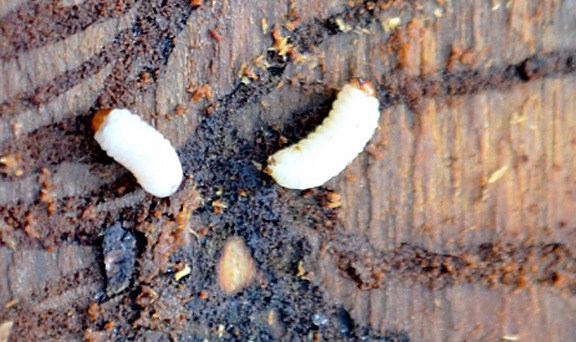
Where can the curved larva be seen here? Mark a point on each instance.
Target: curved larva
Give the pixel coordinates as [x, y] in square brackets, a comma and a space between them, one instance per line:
[324, 153]
[139, 148]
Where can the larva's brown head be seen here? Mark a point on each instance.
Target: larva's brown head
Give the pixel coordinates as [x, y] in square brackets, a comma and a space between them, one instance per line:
[99, 117]
[363, 85]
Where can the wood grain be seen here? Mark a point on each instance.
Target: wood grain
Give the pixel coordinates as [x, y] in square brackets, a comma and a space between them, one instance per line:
[455, 224]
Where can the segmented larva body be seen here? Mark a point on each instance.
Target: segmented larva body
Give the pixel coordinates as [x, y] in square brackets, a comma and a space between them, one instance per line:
[324, 153]
[140, 148]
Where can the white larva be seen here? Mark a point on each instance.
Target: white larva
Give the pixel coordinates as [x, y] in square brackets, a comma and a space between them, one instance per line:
[325, 152]
[140, 148]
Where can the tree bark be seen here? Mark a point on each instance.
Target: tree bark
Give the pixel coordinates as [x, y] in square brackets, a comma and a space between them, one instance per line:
[456, 223]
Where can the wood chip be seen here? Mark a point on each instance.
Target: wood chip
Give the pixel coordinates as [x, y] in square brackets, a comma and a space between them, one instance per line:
[390, 24]
[10, 165]
[5, 330]
[498, 174]
[182, 273]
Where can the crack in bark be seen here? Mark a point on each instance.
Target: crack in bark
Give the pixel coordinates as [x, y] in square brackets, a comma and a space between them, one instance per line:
[397, 88]
[36, 24]
[510, 264]
[209, 154]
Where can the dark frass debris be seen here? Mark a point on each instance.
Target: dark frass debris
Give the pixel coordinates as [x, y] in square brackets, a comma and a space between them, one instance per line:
[345, 322]
[119, 248]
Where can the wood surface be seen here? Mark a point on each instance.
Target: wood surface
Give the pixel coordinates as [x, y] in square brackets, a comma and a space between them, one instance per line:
[456, 224]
